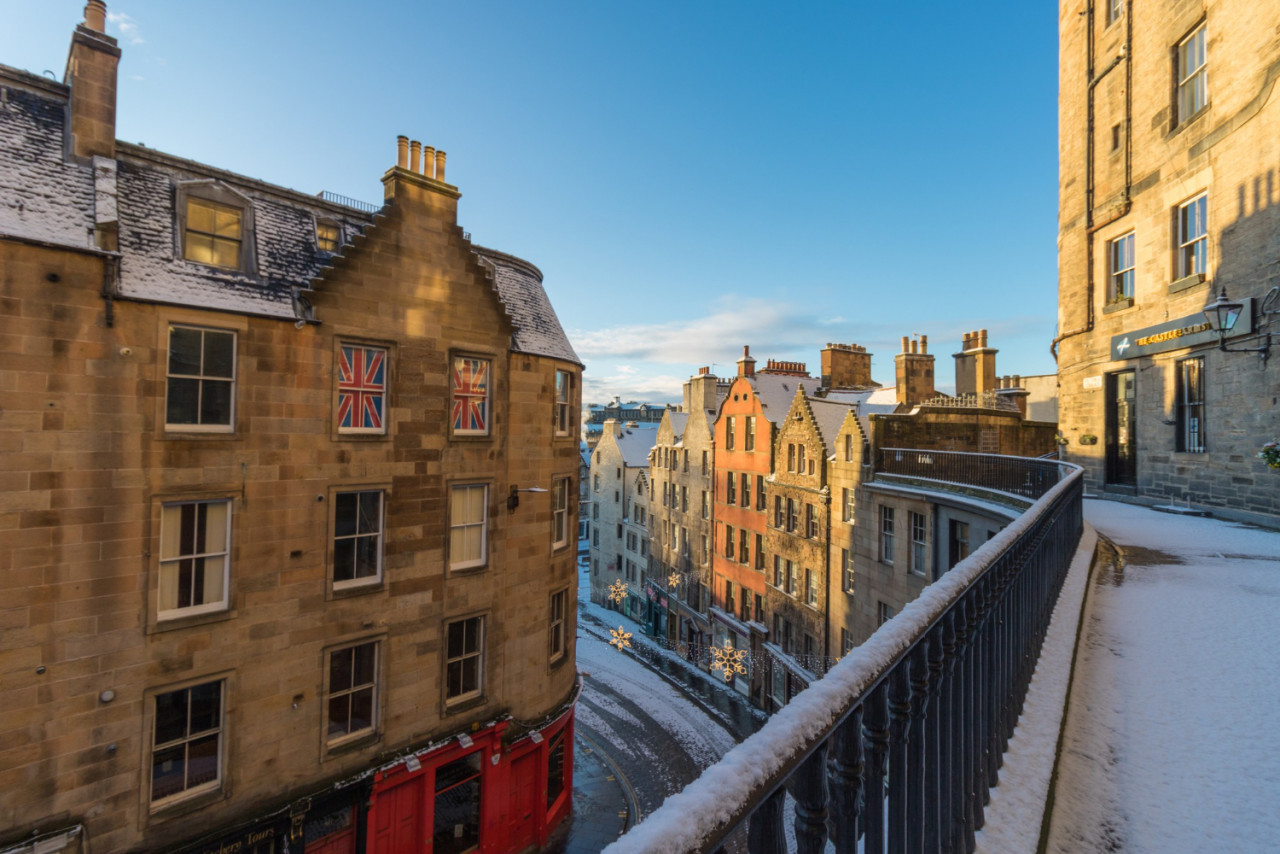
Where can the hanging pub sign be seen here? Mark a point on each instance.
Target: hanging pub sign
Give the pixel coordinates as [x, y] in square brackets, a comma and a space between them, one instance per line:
[1191, 331]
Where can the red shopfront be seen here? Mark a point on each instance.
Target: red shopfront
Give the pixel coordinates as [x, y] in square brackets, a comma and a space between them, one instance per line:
[475, 794]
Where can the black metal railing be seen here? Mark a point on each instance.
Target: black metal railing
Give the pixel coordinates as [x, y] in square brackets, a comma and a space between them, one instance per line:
[1023, 476]
[899, 745]
[347, 201]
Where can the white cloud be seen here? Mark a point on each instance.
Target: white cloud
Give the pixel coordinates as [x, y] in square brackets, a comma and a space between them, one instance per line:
[125, 26]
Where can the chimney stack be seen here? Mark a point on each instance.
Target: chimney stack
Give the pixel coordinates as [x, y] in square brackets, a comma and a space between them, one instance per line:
[846, 366]
[913, 369]
[975, 365]
[746, 365]
[91, 74]
[421, 161]
[700, 391]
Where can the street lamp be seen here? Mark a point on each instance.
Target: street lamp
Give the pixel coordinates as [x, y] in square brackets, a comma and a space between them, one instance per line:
[1222, 314]
[513, 498]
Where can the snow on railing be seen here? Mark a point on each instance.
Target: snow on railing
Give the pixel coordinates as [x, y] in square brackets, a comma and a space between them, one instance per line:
[909, 728]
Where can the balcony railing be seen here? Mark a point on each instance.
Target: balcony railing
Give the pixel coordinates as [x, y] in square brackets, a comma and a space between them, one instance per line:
[898, 746]
[1023, 476]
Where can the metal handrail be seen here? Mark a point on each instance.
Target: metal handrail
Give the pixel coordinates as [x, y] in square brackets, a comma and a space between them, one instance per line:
[347, 201]
[907, 732]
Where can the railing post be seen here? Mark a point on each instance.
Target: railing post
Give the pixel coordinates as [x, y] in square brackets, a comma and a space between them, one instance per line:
[919, 762]
[765, 834]
[808, 785]
[846, 783]
[949, 815]
[899, 780]
[875, 724]
[933, 750]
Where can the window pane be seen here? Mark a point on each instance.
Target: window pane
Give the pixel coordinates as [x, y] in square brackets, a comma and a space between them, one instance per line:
[215, 526]
[199, 248]
[370, 512]
[344, 560]
[456, 634]
[226, 253]
[199, 216]
[206, 706]
[171, 716]
[226, 222]
[339, 716]
[215, 402]
[340, 670]
[361, 710]
[202, 761]
[168, 772]
[363, 658]
[366, 557]
[345, 514]
[184, 350]
[219, 354]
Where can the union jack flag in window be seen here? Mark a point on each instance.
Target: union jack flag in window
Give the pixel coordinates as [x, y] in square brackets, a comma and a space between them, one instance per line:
[470, 395]
[362, 389]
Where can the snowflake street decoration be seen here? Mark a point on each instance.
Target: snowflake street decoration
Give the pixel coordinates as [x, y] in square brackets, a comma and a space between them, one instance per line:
[621, 638]
[673, 579]
[617, 591]
[728, 661]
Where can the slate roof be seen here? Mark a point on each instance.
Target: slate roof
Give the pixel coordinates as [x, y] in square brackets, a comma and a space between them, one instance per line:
[777, 391]
[635, 443]
[829, 415]
[537, 328]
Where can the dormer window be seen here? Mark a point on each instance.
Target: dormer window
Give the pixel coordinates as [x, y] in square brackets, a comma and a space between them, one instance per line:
[213, 234]
[328, 237]
[215, 226]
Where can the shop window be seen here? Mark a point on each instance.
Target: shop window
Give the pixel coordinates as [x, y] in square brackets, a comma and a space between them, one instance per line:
[555, 769]
[457, 806]
[1190, 400]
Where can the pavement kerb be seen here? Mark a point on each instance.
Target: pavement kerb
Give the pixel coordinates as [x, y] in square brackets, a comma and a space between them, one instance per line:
[628, 792]
[1046, 820]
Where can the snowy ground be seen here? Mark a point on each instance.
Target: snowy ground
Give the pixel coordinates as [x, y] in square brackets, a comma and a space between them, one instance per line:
[1170, 743]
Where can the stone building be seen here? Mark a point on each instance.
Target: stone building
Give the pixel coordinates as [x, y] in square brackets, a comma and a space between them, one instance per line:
[619, 487]
[1168, 198]
[617, 410]
[681, 466]
[288, 505]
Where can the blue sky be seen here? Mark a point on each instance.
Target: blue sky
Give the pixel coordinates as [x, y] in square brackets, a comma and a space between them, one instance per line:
[690, 176]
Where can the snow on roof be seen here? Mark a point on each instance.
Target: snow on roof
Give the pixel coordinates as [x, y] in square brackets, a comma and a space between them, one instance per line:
[635, 443]
[678, 422]
[829, 415]
[537, 328]
[776, 392]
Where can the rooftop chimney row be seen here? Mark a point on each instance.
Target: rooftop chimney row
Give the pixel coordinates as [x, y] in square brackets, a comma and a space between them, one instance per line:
[420, 159]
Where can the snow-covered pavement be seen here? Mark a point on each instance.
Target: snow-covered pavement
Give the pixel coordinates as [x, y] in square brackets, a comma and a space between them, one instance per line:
[1170, 742]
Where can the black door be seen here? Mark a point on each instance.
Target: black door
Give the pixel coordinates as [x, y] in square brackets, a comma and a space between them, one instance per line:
[1122, 429]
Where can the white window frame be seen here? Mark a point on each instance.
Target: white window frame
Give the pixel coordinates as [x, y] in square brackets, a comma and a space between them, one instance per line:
[219, 730]
[1120, 268]
[560, 513]
[171, 562]
[848, 575]
[918, 531]
[1190, 403]
[456, 525]
[330, 694]
[202, 379]
[558, 607]
[564, 403]
[376, 535]
[886, 534]
[1192, 94]
[1193, 248]
[463, 657]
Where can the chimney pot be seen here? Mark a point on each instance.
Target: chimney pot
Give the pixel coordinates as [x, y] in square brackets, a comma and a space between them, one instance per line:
[429, 161]
[982, 338]
[906, 346]
[439, 176]
[915, 346]
[924, 345]
[402, 152]
[95, 16]
[415, 155]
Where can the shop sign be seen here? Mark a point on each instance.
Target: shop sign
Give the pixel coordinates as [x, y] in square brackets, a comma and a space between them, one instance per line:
[1190, 331]
[1093, 381]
